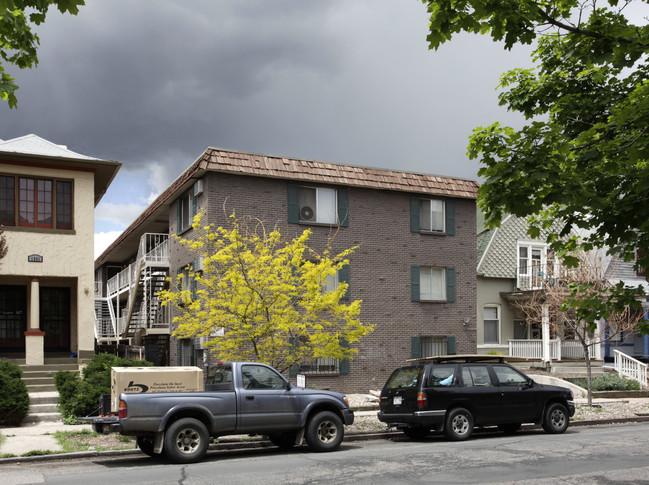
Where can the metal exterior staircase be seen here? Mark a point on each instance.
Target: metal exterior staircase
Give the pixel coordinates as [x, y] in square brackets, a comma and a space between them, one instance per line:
[139, 285]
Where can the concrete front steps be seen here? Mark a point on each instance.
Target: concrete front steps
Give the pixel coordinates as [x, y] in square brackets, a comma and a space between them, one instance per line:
[43, 397]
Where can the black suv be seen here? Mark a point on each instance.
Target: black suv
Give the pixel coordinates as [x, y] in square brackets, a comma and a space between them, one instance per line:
[456, 393]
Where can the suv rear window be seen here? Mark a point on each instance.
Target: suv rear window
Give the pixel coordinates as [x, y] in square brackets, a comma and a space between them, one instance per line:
[405, 377]
[442, 375]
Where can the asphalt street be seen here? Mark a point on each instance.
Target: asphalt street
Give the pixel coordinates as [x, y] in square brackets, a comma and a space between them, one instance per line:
[583, 455]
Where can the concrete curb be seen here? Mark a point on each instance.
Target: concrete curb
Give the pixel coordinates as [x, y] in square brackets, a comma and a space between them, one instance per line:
[260, 443]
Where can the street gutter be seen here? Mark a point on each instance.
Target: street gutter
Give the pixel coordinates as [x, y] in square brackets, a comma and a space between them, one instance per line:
[263, 443]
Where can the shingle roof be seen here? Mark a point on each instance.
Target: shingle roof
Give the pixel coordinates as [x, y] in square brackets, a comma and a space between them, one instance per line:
[220, 160]
[253, 164]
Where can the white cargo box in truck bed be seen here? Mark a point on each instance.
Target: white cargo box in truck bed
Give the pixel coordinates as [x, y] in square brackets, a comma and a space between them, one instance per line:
[153, 379]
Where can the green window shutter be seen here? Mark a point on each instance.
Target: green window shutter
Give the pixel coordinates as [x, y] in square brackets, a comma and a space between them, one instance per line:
[414, 214]
[415, 293]
[415, 347]
[179, 354]
[194, 288]
[343, 277]
[450, 345]
[450, 217]
[178, 215]
[450, 285]
[193, 207]
[293, 203]
[343, 206]
[344, 363]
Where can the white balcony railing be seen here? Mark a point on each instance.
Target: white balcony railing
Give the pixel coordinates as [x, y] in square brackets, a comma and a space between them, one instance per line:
[629, 367]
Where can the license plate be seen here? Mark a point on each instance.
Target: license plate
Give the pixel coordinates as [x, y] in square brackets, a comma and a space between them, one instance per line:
[397, 400]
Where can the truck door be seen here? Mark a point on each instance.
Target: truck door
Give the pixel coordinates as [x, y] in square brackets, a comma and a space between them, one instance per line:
[265, 402]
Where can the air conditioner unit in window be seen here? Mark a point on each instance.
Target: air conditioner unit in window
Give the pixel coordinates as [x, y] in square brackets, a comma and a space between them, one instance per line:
[307, 213]
[198, 187]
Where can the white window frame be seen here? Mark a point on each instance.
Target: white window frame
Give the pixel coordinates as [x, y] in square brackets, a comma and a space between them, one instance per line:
[533, 272]
[426, 212]
[498, 321]
[426, 286]
[325, 211]
[330, 283]
[185, 211]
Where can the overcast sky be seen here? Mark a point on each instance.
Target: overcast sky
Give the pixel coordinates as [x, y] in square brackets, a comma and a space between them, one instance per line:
[153, 83]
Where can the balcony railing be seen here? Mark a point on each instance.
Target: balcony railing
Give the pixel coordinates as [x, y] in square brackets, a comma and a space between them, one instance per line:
[559, 349]
[154, 249]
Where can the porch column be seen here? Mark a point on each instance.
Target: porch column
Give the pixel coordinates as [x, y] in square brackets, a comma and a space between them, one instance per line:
[601, 328]
[545, 333]
[645, 338]
[34, 337]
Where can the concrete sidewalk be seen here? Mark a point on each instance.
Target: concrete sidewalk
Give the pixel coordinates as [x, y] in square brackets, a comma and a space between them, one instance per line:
[35, 437]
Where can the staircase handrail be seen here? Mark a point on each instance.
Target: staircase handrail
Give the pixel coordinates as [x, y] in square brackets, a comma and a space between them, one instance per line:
[627, 366]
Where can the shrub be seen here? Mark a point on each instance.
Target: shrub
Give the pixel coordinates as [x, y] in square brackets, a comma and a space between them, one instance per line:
[608, 382]
[14, 398]
[80, 396]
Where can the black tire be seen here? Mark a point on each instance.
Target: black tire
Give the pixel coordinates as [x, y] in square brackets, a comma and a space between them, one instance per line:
[146, 444]
[509, 428]
[324, 432]
[186, 440]
[458, 425]
[556, 418]
[416, 432]
[284, 440]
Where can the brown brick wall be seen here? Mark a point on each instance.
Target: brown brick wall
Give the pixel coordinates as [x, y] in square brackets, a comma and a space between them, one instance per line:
[379, 269]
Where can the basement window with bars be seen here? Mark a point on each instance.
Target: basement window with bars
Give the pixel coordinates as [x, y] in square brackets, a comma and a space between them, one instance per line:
[320, 365]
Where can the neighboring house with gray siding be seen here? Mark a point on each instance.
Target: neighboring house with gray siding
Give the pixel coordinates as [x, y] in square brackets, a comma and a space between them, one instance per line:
[414, 267]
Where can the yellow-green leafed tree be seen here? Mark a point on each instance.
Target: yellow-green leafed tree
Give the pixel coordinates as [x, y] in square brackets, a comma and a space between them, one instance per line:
[259, 297]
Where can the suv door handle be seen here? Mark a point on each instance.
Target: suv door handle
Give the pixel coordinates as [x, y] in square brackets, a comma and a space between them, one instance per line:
[250, 398]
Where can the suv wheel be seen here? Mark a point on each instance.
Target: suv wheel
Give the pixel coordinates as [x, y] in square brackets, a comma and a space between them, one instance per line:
[459, 424]
[556, 418]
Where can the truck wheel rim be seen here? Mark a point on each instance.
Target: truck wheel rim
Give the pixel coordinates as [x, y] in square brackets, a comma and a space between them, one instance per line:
[188, 440]
[558, 418]
[460, 424]
[327, 431]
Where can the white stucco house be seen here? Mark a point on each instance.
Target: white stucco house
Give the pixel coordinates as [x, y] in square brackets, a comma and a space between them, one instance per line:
[48, 195]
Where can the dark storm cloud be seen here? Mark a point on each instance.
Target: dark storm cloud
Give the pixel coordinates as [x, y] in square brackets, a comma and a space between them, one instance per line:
[345, 81]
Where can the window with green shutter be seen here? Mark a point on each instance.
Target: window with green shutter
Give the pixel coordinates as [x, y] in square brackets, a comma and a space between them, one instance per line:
[429, 283]
[421, 347]
[435, 216]
[318, 205]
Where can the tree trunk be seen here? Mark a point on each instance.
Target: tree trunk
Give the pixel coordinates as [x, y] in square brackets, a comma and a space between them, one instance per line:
[588, 373]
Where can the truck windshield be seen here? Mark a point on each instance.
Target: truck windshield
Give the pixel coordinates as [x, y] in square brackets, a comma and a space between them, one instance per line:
[405, 377]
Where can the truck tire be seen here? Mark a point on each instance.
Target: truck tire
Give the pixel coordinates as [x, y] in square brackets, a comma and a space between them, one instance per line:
[186, 440]
[556, 418]
[324, 432]
[459, 424]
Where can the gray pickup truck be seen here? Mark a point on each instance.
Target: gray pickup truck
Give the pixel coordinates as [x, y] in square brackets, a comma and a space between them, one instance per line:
[239, 398]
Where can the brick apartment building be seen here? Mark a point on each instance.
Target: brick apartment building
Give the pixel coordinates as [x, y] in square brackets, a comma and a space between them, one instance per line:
[414, 267]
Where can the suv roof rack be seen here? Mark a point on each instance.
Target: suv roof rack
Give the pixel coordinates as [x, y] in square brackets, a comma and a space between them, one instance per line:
[470, 358]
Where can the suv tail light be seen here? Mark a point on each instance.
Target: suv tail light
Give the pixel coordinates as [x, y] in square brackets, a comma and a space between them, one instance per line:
[422, 400]
[121, 409]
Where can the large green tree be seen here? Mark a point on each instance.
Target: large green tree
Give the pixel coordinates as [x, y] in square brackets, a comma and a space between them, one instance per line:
[261, 297]
[18, 42]
[582, 157]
